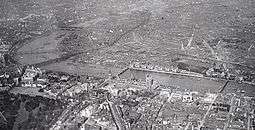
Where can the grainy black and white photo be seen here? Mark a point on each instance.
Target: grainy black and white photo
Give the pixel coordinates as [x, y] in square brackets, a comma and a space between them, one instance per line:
[127, 64]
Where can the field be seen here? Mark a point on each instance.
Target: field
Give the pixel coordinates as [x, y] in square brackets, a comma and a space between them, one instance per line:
[115, 33]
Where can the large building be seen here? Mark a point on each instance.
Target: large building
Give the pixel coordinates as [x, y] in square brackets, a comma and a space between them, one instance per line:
[30, 75]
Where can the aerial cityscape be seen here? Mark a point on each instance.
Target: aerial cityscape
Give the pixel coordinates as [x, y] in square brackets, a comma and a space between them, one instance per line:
[127, 65]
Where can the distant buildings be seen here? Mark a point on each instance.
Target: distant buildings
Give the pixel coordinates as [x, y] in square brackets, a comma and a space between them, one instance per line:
[4, 48]
[163, 69]
[149, 66]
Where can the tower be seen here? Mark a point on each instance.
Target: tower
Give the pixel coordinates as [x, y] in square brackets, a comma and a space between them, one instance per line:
[149, 81]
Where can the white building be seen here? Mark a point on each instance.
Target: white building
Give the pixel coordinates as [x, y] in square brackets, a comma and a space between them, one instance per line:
[30, 73]
[187, 98]
[209, 98]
